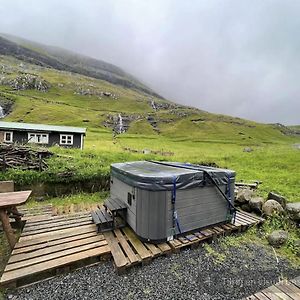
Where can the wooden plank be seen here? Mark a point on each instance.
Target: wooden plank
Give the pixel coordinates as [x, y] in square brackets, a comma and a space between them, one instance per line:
[206, 232]
[115, 204]
[199, 235]
[55, 228]
[25, 241]
[121, 203]
[55, 248]
[191, 237]
[261, 296]
[50, 256]
[164, 247]
[175, 243]
[119, 258]
[267, 292]
[137, 244]
[277, 292]
[52, 264]
[153, 249]
[296, 281]
[39, 220]
[28, 229]
[129, 252]
[45, 244]
[183, 240]
[290, 289]
[95, 218]
[100, 216]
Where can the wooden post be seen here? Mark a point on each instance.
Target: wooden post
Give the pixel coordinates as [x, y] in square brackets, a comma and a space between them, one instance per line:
[17, 216]
[7, 228]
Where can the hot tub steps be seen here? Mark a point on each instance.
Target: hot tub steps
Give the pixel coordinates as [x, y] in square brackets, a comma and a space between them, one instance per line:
[103, 219]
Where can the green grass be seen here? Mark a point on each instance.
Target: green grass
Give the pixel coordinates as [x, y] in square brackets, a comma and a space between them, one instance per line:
[192, 135]
[90, 198]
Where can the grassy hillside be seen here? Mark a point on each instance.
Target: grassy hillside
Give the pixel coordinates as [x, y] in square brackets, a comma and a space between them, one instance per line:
[182, 133]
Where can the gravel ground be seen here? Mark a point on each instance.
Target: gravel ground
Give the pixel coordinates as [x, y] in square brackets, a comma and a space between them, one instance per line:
[191, 274]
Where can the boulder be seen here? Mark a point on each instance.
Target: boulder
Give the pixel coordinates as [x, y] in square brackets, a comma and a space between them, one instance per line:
[248, 149]
[293, 210]
[244, 196]
[271, 206]
[280, 199]
[246, 207]
[256, 204]
[277, 238]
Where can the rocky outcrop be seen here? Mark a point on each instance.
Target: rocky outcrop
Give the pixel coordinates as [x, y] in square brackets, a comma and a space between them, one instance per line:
[29, 82]
[293, 210]
[120, 122]
[92, 91]
[280, 199]
[271, 207]
[277, 238]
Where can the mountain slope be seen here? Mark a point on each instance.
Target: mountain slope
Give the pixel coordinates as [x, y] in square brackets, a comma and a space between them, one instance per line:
[45, 84]
[61, 59]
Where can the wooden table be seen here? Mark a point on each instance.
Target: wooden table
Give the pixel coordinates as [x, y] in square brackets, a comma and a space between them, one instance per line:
[10, 201]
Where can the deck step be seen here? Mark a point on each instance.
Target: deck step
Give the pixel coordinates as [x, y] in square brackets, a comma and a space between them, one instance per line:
[103, 219]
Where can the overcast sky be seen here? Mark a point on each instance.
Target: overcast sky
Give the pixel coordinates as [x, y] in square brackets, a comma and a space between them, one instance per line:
[236, 57]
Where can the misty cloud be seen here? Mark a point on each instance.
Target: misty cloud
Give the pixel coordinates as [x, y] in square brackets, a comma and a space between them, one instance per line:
[240, 58]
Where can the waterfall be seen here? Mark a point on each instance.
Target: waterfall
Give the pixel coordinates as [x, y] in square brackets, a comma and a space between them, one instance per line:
[120, 125]
[153, 104]
[1, 112]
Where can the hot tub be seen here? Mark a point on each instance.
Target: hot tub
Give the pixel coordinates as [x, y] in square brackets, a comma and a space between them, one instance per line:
[167, 199]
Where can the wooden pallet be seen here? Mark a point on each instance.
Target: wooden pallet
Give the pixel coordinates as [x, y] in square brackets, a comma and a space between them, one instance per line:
[35, 212]
[284, 290]
[50, 244]
[127, 249]
[242, 222]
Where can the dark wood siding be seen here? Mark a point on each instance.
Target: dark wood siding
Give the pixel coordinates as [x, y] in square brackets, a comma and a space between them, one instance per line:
[54, 138]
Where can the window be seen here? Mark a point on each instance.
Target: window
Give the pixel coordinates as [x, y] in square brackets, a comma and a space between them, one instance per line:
[8, 136]
[66, 139]
[38, 138]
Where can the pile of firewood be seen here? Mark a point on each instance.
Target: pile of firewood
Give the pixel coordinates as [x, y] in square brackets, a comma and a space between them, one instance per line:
[23, 157]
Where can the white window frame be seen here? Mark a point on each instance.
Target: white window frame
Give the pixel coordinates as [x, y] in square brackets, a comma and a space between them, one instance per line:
[64, 139]
[44, 139]
[11, 137]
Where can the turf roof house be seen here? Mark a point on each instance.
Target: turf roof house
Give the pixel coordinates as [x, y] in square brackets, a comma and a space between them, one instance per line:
[46, 135]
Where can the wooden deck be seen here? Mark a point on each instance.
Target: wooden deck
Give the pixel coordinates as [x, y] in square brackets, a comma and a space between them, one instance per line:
[48, 244]
[51, 244]
[128, 250]
[284, 290]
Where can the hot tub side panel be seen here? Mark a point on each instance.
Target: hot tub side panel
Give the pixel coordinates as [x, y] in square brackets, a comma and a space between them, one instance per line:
[121, 190]
[198, 208]
[151, 214]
